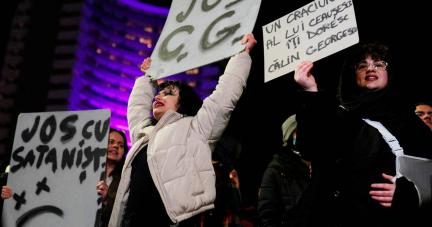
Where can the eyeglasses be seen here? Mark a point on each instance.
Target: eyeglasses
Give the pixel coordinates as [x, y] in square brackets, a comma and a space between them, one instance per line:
[378, 65]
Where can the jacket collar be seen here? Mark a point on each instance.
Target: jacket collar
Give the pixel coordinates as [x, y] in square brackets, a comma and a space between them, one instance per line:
[169, 117]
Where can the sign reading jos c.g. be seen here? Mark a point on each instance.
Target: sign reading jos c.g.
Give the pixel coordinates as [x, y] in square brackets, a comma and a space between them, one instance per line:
[57, 160]
[315, 31]
[197, 33]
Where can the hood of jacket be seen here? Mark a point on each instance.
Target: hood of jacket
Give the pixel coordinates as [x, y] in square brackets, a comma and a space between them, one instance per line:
[288, 128]
[290, 163]
[376, 105]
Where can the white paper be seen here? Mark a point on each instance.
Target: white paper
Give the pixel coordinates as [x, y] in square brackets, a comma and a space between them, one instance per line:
[52, 193]
[233, 19]
[313, 32]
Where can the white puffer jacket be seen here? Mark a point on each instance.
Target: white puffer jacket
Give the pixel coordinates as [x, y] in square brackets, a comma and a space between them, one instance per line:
[179, 148]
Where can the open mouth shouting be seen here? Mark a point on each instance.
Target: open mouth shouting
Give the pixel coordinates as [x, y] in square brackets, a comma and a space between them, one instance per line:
[157, 104]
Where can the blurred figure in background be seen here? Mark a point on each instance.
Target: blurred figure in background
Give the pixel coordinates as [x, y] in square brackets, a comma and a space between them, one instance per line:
[284, 181]
[424, 111]
[228, 198]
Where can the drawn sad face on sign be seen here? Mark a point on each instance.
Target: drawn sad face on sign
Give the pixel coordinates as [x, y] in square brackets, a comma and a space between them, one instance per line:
[55, 168]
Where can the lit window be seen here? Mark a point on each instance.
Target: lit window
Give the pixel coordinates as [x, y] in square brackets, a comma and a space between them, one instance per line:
[145, 41]
[130, 24]
[192, 71]
[99, 51]
[131, 37]
[126, 62]
[142, 53]
[123, 89]
[148, 29]
[113, 44]
[192, 84]
[112, 57]
[149, 45]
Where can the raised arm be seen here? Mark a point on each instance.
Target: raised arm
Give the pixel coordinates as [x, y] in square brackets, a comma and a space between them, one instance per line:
[213, 117]
[140, 104]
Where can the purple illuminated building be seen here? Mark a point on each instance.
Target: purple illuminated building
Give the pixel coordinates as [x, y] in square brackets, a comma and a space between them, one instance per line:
[115, 37]
[80, 55]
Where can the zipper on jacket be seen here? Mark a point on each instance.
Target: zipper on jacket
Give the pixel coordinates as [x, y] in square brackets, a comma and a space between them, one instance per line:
[159, 186]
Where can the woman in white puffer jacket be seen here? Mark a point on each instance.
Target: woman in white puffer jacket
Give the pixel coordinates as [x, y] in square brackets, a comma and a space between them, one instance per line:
[168, 175]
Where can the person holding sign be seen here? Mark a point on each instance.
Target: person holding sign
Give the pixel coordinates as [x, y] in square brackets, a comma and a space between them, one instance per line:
[354, 176]
[168, 175]
[117, 148]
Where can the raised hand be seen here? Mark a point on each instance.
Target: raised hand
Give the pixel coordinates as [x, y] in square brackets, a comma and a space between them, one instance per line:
[250, 42]
[303, 77]
[145, 65]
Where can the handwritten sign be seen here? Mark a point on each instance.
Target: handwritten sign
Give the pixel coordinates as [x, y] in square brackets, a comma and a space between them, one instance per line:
[312, 32]
[57, 160]
[197, 33]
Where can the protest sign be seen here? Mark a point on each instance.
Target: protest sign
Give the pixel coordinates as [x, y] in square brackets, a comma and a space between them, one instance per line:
[57, 160]
[197, 33]
[312, 32]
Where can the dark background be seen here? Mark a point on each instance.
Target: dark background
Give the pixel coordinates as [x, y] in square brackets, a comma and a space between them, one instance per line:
[265, 106]
[257, 120]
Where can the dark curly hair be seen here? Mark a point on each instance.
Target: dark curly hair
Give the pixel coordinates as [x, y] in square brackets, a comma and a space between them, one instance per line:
[375, 50]
[189, 102]
[422, 103]
[350, 95]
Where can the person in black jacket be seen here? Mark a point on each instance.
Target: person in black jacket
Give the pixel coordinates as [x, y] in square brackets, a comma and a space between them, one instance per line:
[285, 179]
[353, 165]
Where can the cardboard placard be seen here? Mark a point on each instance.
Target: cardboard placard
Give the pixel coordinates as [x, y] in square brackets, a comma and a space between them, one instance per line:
[197, 33]
[57, 160]
[313, 32]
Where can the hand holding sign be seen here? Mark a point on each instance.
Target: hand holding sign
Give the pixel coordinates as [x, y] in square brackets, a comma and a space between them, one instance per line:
[57, 159]
[201, 32]
[312, 32]
[303, 76]
[145, 65]
[102, 189]
[6, 192]
[250, 42]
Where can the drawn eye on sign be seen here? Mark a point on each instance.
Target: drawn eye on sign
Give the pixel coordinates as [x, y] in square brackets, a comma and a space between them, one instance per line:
[313, 32]
[57, 160]
[197, 33]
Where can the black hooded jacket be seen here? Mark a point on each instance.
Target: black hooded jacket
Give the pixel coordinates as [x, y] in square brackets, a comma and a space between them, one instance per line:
[282, 185]
[348, 155]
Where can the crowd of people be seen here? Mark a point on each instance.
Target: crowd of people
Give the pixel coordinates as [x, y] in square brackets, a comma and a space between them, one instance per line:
[339, 171]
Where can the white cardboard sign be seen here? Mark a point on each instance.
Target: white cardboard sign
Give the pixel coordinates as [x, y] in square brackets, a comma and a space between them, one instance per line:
[314, 31]
[197, 33]
[57, 160]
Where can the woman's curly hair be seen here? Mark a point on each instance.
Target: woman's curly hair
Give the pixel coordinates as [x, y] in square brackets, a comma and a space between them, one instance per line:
[189, 102]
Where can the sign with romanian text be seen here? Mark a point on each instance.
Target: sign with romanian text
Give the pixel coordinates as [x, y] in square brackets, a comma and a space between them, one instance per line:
[313, 32]
[57, 160]
[197, 33]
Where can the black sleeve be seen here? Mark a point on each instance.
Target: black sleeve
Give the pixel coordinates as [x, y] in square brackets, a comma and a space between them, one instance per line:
[416, 137]
[270, 207]
[316, 125]
[405, 196]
